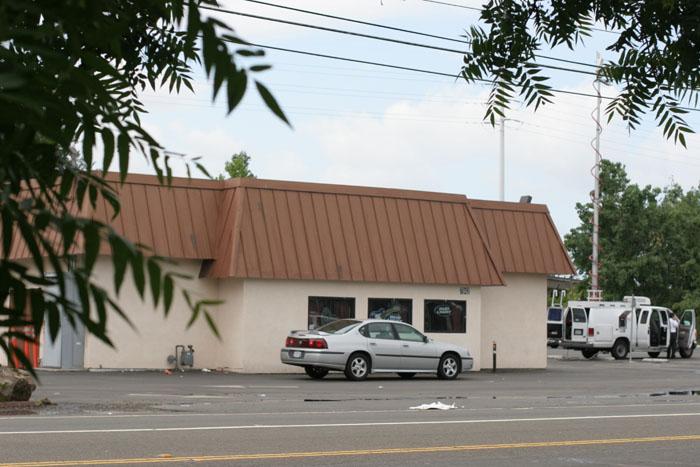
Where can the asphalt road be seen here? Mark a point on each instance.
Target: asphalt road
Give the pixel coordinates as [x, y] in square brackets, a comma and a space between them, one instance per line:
[599, 412]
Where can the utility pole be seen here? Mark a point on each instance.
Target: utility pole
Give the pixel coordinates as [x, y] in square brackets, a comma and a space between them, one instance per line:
[502, 166]
[595, 293]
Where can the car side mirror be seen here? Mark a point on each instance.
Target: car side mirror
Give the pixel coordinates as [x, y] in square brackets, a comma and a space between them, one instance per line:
[426, 339]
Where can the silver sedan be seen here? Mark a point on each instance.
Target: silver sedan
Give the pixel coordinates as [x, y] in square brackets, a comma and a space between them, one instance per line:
[359, 348]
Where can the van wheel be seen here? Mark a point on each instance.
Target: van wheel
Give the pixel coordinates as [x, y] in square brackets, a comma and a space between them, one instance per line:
[357, 367]
[654, 354]
[686, 353]
[315, 372]
[589, 353]
[448, 367]
[620, 350]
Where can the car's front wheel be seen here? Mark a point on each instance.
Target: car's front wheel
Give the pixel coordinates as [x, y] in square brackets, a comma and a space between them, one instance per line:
[357, 368]
[448, 367]
[315, 372]
[686, 353]
[620, 349]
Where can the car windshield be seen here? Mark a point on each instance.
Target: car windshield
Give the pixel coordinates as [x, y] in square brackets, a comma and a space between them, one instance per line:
[554, 314]
[340, 326]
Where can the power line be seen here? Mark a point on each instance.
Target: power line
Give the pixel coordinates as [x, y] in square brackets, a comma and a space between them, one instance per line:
[393, 28]
[481, 9]
[418, 70]
[374, 37]
[455, 5]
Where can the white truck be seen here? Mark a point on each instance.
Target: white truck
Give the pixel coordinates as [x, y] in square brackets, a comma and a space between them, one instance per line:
[620, 327]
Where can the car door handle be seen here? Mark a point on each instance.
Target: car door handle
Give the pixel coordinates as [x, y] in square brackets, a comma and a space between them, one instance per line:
[405, 345]
[372, 343]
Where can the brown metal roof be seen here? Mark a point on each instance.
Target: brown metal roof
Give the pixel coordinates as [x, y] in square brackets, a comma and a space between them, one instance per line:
[252, 228]
[289, 230]
[522, 237]
[177, 221]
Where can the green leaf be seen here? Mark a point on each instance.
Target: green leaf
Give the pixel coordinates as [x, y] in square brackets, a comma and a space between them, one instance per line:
[108, 144]
[167, 293]
[154, 279]
[271, 102]
[123, 143]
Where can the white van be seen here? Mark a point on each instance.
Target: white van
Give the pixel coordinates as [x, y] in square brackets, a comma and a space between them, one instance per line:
[613, 327]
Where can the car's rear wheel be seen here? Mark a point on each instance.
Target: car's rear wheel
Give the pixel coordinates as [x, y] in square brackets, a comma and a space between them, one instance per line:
[315, 372]
[654, 354]
[405, 375]
[448, 367]
[357, 368]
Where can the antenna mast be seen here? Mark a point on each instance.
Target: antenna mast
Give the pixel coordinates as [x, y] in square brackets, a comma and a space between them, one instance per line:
[595, 293]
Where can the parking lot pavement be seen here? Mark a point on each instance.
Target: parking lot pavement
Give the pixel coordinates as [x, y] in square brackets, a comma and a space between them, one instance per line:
[598, 411]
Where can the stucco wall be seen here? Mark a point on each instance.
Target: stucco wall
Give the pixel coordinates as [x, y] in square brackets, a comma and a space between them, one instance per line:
[515, 317]
[275, 307]
[154, 336]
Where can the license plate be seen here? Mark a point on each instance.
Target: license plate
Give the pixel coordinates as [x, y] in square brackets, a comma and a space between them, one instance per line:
[296, 354]
[578, 332]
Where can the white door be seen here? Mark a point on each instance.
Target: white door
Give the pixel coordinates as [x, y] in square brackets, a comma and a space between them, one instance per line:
[642, 334]
[686, 330]
[579, 325]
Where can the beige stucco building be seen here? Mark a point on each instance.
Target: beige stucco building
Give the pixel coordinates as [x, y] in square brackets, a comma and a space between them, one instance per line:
[285, 255]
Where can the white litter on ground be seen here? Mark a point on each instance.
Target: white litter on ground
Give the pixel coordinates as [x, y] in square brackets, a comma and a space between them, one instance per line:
[206, 370]
[434, 406]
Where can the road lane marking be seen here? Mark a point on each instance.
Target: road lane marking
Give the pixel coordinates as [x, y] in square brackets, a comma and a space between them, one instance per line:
[357, 452]
[345, 425]
[661, 403]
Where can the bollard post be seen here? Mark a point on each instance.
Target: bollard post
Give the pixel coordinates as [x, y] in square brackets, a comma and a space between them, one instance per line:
[494, 357]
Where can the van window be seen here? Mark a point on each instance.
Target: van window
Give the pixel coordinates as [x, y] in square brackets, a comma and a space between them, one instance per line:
[579, 315]
[554, 314]
[645, 315]
[664, 317]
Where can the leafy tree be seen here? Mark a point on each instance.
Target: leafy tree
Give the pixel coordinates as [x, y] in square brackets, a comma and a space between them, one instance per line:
[657, 64]
[71, 73]
[648, 240]
[237, 166]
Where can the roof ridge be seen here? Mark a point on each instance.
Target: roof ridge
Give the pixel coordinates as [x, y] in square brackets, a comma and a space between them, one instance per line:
[339, 189]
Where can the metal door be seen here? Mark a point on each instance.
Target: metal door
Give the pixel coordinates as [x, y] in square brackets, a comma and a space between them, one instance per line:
[417, 354]
[642, 333]
[50, 350]
[579, 325]
[67, 351]
[383, 347]
[655, 329]
[686, 330]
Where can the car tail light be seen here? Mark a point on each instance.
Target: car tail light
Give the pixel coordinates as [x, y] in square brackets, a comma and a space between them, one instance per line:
[317, 344]
[591, 332]
[306, 343]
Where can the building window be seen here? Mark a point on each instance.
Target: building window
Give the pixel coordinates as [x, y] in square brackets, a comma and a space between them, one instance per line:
[445, 316]
[323, 310]
[395, 309]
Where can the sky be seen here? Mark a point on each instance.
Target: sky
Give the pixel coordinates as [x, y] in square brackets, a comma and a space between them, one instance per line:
[365, 125]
